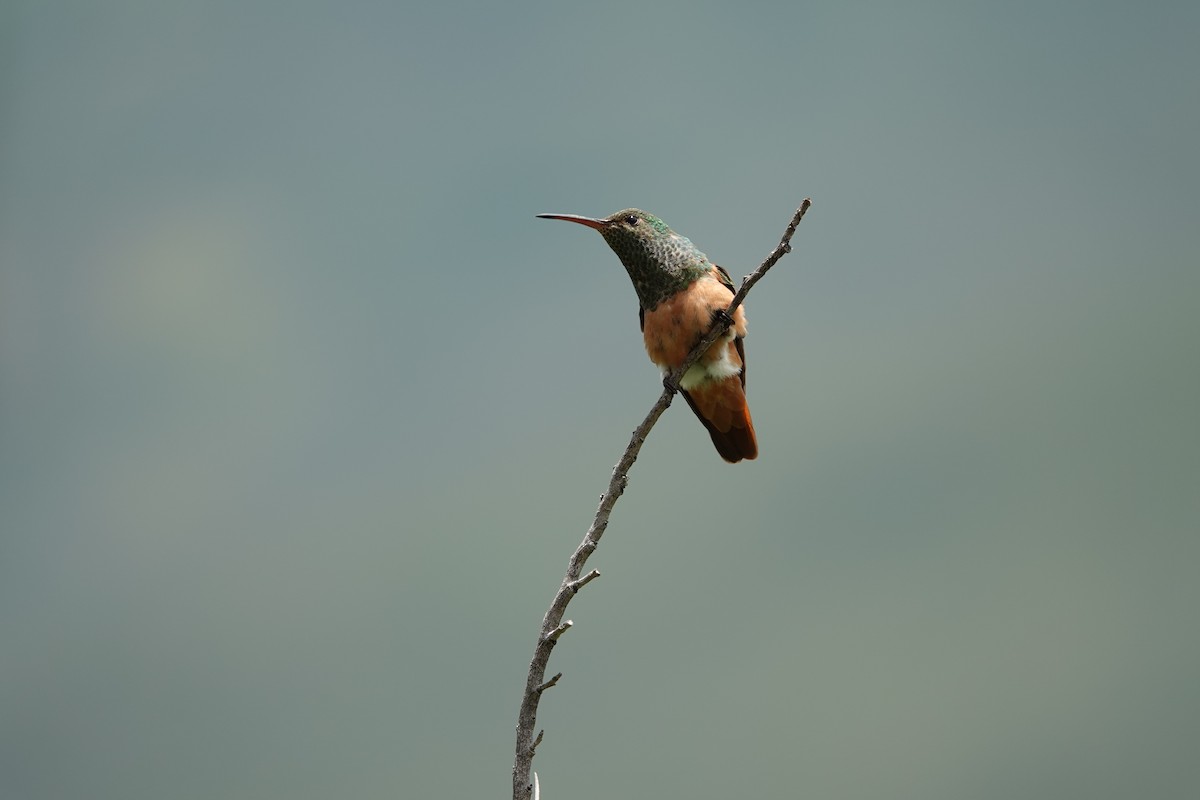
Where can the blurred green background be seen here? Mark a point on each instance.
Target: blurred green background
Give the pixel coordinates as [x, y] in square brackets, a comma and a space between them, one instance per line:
[302, 411]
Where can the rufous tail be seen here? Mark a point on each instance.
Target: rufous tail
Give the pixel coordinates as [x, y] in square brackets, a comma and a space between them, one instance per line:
[721, 406]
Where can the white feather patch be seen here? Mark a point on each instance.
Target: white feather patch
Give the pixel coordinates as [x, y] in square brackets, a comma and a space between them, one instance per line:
[718, 370]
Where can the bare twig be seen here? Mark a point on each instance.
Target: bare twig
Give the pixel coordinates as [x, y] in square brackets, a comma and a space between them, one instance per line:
[552, 624]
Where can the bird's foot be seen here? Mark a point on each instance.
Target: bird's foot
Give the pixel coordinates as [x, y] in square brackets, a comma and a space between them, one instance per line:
[722, 315]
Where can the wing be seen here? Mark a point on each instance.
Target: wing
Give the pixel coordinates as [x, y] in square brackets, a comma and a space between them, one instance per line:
[741, 348]
[724, 278]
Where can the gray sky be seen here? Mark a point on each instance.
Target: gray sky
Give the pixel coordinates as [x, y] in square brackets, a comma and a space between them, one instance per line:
[302, 411]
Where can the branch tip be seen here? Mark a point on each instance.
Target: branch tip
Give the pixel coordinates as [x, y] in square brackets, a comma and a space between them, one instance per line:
[548, 683]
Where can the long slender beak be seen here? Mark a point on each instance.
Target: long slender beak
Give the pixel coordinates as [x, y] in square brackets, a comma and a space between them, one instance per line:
[598, 224]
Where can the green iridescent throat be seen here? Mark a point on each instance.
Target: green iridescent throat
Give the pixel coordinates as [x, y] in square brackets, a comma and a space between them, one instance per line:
[659, 261]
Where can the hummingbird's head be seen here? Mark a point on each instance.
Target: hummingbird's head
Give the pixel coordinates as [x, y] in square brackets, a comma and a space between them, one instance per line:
[659, 261]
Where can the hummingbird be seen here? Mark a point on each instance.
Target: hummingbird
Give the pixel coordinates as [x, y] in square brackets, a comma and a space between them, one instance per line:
[680, 292]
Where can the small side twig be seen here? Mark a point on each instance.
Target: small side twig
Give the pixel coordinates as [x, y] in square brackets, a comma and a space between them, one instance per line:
[552, 624]
[575, 586]
[549, 683]
[558, 631]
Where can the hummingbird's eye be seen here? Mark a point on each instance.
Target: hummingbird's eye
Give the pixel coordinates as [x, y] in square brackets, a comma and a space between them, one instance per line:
[632, 219]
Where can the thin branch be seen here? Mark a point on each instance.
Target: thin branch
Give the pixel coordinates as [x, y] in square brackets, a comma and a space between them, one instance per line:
[552, 624]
